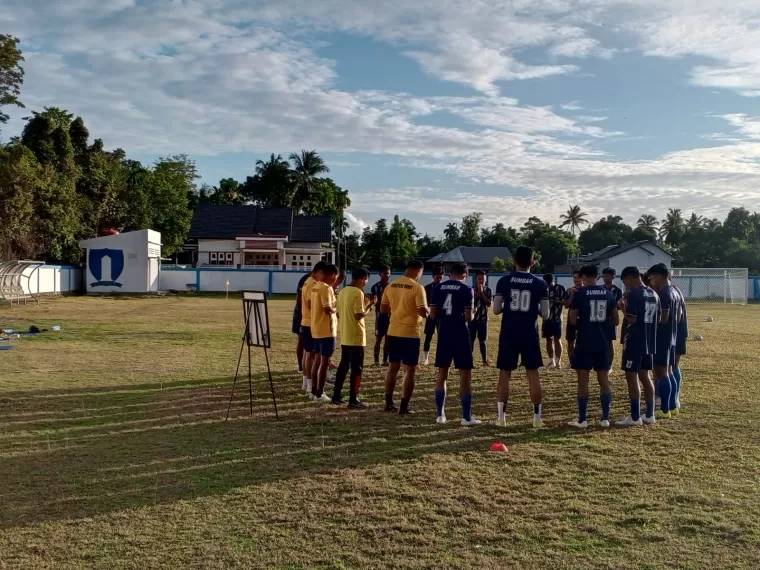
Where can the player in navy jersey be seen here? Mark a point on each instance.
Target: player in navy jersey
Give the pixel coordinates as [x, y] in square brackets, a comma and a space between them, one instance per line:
[642, 313]
[608, 276]
[681, 335]
[666, 337]
[520, 298]
[382, 321]
[551, 329]
[452, 305]
[479, 324]
[431, 323]
[571, 331]
[593, 310]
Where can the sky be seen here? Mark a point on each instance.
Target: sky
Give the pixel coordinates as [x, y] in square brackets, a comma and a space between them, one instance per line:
[429, 109]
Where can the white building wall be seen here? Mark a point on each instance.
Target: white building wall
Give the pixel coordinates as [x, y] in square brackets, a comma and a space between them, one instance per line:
[136, 249]
[639, 258]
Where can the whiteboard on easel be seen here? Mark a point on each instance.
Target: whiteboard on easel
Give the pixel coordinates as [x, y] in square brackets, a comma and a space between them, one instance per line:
[257, 318]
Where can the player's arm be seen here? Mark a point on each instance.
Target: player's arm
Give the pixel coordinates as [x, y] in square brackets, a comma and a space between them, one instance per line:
[385, 304]
[420, 297]
[469, 306]
[361, 307]
[327, 298]
[570, 295]
[572, 315]
[498, 304]
[545, 307]
[614, 314]
[485, 297]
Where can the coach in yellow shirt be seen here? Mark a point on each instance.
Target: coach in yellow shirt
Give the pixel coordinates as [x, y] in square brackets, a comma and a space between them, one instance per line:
[406, 302]
[353, 306]
[324, 329]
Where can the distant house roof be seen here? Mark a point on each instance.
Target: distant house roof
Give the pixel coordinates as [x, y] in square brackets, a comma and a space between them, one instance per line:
[614, 250]
[213, 221]
[472, 255]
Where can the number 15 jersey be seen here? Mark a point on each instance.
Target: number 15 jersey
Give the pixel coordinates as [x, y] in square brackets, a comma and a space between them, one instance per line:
[521, 294]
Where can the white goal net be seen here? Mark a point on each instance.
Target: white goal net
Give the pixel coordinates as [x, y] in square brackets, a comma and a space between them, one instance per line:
[712, 285]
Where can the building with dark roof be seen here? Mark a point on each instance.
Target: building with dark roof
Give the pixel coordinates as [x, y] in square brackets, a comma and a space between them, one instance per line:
[249, 236]
[474, 257]
[641, 254]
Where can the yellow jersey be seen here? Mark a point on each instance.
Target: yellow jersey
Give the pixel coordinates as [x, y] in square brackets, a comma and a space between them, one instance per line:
[351, 302]
[405, 296]
[322, 324]
[306, 302]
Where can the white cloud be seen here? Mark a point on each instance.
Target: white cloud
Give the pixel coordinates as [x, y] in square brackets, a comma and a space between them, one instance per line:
[355, 224]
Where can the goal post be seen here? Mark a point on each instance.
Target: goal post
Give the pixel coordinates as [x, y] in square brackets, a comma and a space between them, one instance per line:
[712, 285]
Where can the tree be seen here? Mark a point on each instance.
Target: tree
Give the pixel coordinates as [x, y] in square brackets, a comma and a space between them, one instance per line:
[470, 232]
[739, 224]
[402, 240]
[173, 187]
[531, 230]
[672, 227]
[307, 167]
[428, 247]
[452, 237]
[499, 236]
[19, 180]
[499, 265]
[609, 230]
[554, 246]
[11, 74]
[693, 223]
[272, 186]
[574, 218]
[648, 223]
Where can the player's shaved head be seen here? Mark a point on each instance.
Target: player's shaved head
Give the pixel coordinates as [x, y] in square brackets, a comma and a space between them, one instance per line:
[629, 272]
[589, 271]
[458, 270]
[359, 273]
[523, 257]
[319, 266]
[549, 278]
[414, 269]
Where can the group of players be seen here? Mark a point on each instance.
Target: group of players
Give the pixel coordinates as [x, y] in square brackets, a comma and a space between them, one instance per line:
[653, 334]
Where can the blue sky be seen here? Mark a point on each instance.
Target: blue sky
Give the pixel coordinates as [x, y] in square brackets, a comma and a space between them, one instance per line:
[429, 109]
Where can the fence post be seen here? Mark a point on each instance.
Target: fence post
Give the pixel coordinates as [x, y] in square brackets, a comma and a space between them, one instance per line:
[725, 286]
[271, 279]
[197, 279]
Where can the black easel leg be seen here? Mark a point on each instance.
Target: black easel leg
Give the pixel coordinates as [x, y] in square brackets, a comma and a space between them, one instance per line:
[271, 383]
[250, 382]
[234, 381]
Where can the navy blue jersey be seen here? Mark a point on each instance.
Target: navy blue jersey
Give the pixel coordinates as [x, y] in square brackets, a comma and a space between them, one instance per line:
[377, 290]
[683, 325]
[644, 304]
[521, 294]
[430, 290]
[595, 305]
[666, 332]
[481, 309]
[616, 292]
[298, 291]
[557, 296]
[451, 298]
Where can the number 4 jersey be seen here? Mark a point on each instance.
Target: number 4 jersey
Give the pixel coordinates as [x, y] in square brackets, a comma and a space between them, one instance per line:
[643, 304]
[521, 294]
[451, 298]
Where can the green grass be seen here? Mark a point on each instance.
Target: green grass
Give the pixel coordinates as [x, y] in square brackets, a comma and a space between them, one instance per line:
[114, 453]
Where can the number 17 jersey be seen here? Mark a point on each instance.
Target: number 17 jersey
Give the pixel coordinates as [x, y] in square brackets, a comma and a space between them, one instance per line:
[521, 294]
[644, 304]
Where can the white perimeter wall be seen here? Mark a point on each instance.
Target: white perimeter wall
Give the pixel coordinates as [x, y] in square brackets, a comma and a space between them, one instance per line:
[52, 279]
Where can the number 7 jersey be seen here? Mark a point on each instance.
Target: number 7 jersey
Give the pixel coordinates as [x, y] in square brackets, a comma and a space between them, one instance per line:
[644, 304]
[521, 294]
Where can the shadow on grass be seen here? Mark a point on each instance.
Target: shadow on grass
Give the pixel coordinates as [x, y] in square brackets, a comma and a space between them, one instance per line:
[87, 452]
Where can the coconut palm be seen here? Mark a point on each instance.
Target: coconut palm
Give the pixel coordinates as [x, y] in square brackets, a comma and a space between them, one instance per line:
[695, 222]
[307, 166]
[574, 218]
[672, 227]
[648, 223]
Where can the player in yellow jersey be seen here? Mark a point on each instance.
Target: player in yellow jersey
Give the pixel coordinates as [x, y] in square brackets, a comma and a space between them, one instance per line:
[324, 330]
[304, 301]
[405, 300]
[353, 306]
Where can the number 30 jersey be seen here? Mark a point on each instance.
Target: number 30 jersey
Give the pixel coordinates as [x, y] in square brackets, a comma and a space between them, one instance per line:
[450, 299]
[644, 304]
[521, 294]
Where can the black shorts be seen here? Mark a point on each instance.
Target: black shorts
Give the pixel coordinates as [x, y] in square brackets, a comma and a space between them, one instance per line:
[308, 341]
[681, 342]
[325, 346]
[404, 349]
[458, 350]
[382, 322]
[634, 361]
[430, 327]
[526, 351]
[584, 359]
[297, 318]
[611, 332]
[571, 332]
[663, 356]
[478, 330]
[551, 329]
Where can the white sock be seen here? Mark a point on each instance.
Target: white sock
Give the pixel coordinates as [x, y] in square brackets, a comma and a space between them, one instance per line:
[538, 415]
[309, 384]
[500, 407]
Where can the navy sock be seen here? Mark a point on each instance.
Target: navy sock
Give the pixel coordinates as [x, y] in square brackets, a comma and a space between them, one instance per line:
[678, 377]
[650, 408]
[663, 385]
[582, 409]
[484, 351]
[673, 391]
[606, 405]
[635, 408]
[440, 400]
[467, 406]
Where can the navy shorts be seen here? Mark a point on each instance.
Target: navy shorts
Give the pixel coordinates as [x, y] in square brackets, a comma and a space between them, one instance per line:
[681, 341]
[611, 332]
[551, 329]
[571, 332]
[308, 341]
[382, 322]
[634, 361]
[297, 317]
[527, 351]
[458, 350]
[325, 346]
[584, 359]
[430, 327]
[662, 356]
[478, 330]
[404, 349]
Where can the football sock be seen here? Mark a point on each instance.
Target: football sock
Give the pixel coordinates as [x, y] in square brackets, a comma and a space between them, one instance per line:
[300, 363]
[663, 385]
[467, 406]
[677, 374]
[389, 400]
[582, 408]
[537, 411]
[501, 407]
[636, 408]
[606, 405]
[484, 351]
[404, 406]
[673, 391]
[650, 408]
[377, 357]
[440, 400]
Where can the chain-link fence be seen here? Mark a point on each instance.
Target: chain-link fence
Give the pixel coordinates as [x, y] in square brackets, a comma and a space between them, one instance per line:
[712, 285]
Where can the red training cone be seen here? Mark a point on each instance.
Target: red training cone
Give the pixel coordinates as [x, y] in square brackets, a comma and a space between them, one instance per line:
[500, 447]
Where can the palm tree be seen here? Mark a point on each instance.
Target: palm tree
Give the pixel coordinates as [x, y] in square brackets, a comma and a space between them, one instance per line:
[272, 186]
[649, 223]
[307, 167]
[671, 230]
[574, 218]
[695, 222]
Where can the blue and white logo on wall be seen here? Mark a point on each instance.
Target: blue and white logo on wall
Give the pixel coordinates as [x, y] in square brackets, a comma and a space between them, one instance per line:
[95, 264]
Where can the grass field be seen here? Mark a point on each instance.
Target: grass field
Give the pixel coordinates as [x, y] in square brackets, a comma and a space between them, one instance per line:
[114, 454]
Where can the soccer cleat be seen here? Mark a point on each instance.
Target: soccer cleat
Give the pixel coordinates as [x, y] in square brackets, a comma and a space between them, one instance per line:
[675, 412]
[426, 360]
[648, 421]
[501, 423]
[577, 424]
[663, 415]
[440, 420]
[323, 399]
[391, 408]
[538, 423]
[559, 365]
[357, 405]
[473, 421]
[605, 423]
[406, 412]
[629, 422]
[338, 402]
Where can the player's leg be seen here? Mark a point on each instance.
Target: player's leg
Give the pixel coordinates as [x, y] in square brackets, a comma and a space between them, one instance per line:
[357, 367]
[673, 381]
[463, 360]
[677, 373]
[611, 350]
[549, 345]
[483, 338]
[440, 394]
[558, 349]
[472, 326]
[429, 331]
[411, 358]
[340, 375]
[377, 347]
[632, 360]
[645, 378]
[602, 366]
[533, 360]
[299, 352]
[315, 362]
[308, 349]
[661, 360]
[502, 396]
[582, 363]
[395, 356]
[326, 350]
